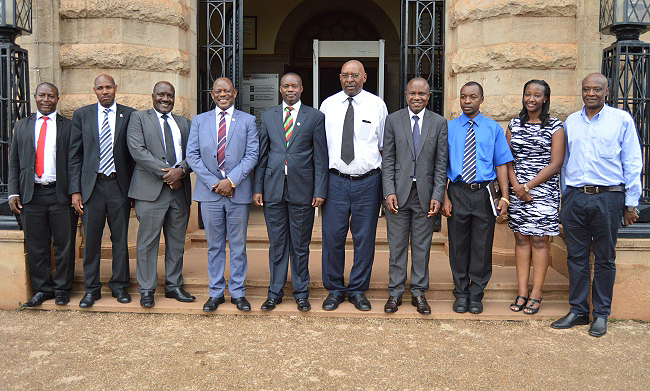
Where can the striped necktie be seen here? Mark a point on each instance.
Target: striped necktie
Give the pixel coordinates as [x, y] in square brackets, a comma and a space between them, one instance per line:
[106, 162]
[288, 124]
[469, 155]
[221, 146]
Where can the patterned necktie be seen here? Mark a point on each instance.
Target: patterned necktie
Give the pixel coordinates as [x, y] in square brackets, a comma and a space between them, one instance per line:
[106, 162]
[347, 142]
[39, 162]
[221, 146]
[469, 156]
[169, 142]
[416, 139]
[288, 124]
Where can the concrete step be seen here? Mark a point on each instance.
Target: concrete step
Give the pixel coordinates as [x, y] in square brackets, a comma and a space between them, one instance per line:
[440, 309]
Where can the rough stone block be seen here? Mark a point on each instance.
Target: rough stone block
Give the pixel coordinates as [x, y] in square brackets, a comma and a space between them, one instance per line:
[465, 10]
[14, 282]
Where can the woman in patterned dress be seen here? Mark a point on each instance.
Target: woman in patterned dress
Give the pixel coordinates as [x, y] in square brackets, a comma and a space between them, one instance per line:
[537, 143]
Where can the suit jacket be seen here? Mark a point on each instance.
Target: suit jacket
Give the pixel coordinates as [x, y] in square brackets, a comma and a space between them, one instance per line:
[242, 147]
[306, 157]
[84, 151]
[399, 161]
[145, 141]
[23, 154]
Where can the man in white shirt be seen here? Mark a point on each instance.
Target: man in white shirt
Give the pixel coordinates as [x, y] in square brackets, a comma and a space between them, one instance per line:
[38, 193]
[354, 126]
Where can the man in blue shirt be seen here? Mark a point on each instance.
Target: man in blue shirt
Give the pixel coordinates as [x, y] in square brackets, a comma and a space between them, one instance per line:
[478, 153]
[601, 185]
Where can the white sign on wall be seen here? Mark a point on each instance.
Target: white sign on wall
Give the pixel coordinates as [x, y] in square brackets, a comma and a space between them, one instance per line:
[260, 92]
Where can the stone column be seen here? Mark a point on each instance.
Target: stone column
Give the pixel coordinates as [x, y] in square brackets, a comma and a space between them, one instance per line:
[14, 279]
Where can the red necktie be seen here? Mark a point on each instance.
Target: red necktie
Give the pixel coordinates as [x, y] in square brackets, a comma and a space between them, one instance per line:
[39, 163]
[221, 138]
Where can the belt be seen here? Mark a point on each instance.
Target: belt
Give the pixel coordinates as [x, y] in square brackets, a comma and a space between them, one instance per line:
[599, 189]
[355, 177]
[47, 185]
[472, 186]
[104, 176]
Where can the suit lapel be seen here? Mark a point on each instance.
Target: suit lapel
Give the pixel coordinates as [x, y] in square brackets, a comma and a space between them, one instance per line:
[233, 126]
[301, 118]
[31, 151]
[424, 131]
[94, 125]
[154, 118]
[180, 121]
[60, 145]
[408, 133]
[119, 121]
[279, 121]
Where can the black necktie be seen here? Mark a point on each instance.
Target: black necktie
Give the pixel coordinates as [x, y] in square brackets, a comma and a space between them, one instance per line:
[347, 142]
[169, 142]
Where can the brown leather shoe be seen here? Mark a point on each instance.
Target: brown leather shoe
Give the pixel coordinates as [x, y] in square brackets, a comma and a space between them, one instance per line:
[421, 303]
[392, 304]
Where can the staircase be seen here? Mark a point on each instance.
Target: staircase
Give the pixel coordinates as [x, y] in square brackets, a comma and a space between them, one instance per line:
[499, 293]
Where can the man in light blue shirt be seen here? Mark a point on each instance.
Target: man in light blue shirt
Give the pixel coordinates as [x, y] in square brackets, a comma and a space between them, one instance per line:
[478, 153]
[601, 185]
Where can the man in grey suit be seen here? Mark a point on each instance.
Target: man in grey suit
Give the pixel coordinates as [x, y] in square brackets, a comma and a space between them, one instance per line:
[414, 176]
[290, 181]
[100, 169]
[162, 191]
[38, 193]
[222, 151]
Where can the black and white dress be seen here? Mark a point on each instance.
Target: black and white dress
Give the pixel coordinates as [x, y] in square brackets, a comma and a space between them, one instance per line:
[531, 149]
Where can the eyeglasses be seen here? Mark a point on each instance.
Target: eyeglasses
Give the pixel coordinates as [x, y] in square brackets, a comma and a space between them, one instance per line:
[354, 76]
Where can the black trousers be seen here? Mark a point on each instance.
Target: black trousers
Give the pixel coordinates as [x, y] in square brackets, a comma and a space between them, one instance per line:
[591, 219]
[471, 233]
[106, 203]
[45, 222]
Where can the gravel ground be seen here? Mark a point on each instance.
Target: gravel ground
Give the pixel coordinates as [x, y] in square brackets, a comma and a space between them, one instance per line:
[50, 350]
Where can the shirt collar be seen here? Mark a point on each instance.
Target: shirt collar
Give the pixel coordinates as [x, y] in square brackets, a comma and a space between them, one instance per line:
[420, 114]
[113, 108]
[583, 113]
[159, 114]
[295, 106]
[51, 116]
[464, 119]
[357, 98]
[229, 111]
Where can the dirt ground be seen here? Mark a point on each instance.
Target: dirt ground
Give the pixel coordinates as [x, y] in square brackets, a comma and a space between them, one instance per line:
[50, 350]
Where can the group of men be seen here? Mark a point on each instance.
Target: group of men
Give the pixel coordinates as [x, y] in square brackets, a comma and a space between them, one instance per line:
[347, 158]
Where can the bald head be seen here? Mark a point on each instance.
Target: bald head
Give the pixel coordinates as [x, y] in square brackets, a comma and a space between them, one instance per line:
[105, 89]
[353, 75]
[594, 91]
[223, 93]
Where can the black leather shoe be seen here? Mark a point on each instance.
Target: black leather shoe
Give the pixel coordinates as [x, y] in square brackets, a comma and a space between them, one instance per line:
[569, 320]
[360, 302]
[392, 303]
[213, 303]
[269, 304]
[61, 298]
[303, 304]
[180, 294]
[89, 299]
[242, 303]
[146, 300]
[460, 305]
[475, 307]
[38, 299]
[421, 303]
[598, 327]
[122, 297]
[332, 302]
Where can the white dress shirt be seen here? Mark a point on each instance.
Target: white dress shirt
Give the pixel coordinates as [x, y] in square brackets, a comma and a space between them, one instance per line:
[294, 117]
[49, 161]
[228, 118]
[369, 118]
[420, 115]
[111, 124]
[176, 135]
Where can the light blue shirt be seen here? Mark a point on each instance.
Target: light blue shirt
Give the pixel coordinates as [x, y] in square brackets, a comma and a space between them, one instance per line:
[491, 147]
[603, 151]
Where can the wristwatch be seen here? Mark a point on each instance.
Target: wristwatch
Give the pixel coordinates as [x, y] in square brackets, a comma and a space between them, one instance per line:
[632, 209]
[526, 189]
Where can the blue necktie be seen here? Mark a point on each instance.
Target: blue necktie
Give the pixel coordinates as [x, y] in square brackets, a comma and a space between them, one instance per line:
[469, 156]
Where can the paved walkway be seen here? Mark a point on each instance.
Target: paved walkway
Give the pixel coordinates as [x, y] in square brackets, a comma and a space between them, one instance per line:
[61, 350]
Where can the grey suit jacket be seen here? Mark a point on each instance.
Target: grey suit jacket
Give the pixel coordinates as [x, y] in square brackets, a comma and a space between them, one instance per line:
[84, 151]
[23, 154]
[399, 160]
[145, 141]
[306, 157]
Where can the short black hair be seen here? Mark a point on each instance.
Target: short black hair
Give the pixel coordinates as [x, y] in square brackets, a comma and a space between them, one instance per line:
[48, 84]
[473, 83]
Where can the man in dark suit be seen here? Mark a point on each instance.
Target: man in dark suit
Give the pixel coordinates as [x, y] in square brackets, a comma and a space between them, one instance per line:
[414, 176]
[162, 191]
[290, 181]
[222, 151]
[100, 169]
[38, 192]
